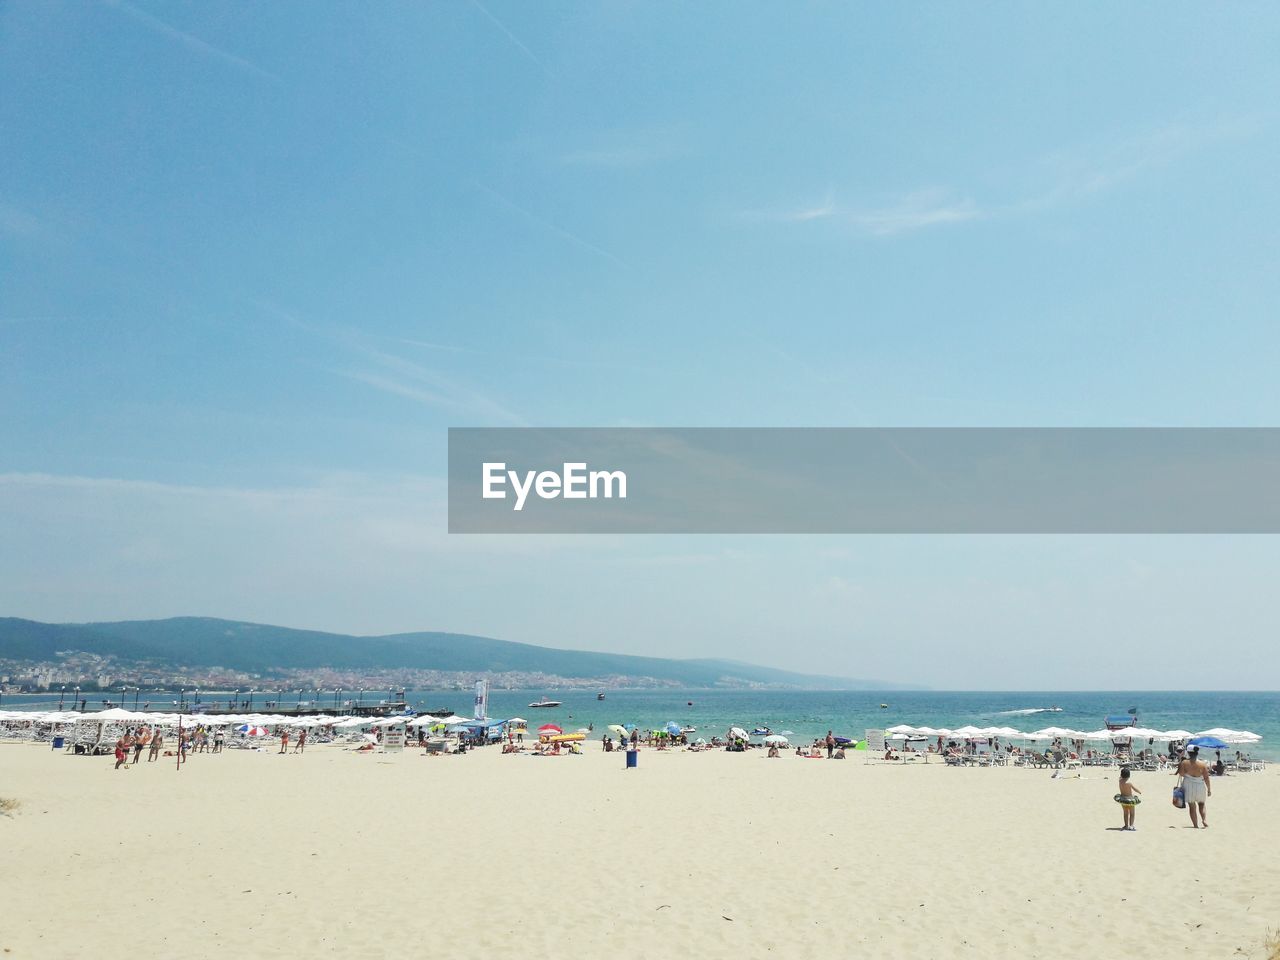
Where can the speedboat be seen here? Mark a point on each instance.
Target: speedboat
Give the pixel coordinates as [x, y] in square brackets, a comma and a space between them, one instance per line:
[884, 706]
[688, 730]
[599, 696]
[761, 732]
[544, 702]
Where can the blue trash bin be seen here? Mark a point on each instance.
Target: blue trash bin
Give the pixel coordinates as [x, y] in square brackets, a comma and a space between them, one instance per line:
[59, 743]
[632, 756]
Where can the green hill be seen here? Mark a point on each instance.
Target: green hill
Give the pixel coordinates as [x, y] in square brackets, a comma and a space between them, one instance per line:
[260, 648]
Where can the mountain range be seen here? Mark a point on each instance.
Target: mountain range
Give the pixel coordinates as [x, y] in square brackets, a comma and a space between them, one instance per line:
[260, 648]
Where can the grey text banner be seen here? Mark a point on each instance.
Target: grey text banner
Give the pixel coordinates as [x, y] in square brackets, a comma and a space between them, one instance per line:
[864, 480]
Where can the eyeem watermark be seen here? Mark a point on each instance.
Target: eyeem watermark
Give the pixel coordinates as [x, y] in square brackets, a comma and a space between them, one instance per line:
[864, 480]
[573, 482]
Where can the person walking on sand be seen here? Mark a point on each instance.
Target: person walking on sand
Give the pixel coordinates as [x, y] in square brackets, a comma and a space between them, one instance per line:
[284, 741]
[141, 740]
[301, 745]
[122, 752]
[157, 741]
[1196, 789]
[1127, 798]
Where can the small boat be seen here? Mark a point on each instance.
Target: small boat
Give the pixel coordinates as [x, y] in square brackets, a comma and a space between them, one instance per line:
[599, 696]
[761, 732]
[544, 702]
[439, 712]
[884, 706]
[688, 730]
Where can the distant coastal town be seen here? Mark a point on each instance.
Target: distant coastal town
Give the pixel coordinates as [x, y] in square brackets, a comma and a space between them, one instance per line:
[93, 673]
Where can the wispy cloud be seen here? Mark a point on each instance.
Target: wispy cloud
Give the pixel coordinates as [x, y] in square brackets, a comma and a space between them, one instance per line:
[433, 389]
[1058, 179]
[916, 211]
[553, 227]
[1077, 173]
[203, 47]
[804, 213]
[510, 36]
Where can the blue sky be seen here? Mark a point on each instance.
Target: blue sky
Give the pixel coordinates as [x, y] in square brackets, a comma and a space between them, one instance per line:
[255, 260]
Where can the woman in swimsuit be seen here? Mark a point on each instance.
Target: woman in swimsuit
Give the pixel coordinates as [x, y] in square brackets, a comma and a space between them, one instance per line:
[1196, 788]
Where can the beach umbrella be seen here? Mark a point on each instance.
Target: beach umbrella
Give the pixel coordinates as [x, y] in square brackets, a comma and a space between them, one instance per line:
[1142, 733]
[249, 730]
[736, 733]
[617, 729]
[673, 728]
[1230, 736]
[1208, 743]
[903, 728]
[1175, 735]
[549, 730]
[777, 738]
[969, 731]
[517, 721]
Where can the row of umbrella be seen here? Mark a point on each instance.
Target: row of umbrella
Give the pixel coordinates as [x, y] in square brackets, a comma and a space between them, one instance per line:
[1219, 735]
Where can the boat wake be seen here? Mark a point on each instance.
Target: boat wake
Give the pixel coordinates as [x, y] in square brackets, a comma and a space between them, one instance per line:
[1028, 711]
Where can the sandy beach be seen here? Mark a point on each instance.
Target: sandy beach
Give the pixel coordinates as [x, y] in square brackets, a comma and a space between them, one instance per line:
[332, 853]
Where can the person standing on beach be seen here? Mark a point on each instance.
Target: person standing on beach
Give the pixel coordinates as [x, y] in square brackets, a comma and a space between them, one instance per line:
[1196, 788]
[1127, 798]
[831, 744]
[157, 741]
[301, 745]
[141, 740]
[284, 740]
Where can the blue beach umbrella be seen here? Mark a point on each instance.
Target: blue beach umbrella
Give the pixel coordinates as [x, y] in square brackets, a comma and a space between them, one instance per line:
[673, 728]
[1208, 743]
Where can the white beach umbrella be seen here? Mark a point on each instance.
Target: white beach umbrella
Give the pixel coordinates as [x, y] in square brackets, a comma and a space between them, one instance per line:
[1141, 733]
[903, 728]
[968, 731]
[1048, 733]
[737, 733]
[1230, 736]
[1175, 735]
[777, 738]
[116, 713]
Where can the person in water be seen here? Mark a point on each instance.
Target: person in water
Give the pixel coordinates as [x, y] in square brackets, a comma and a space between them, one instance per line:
[1127, 798]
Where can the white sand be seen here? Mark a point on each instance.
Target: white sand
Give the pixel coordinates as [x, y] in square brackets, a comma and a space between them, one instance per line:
[715, 855]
